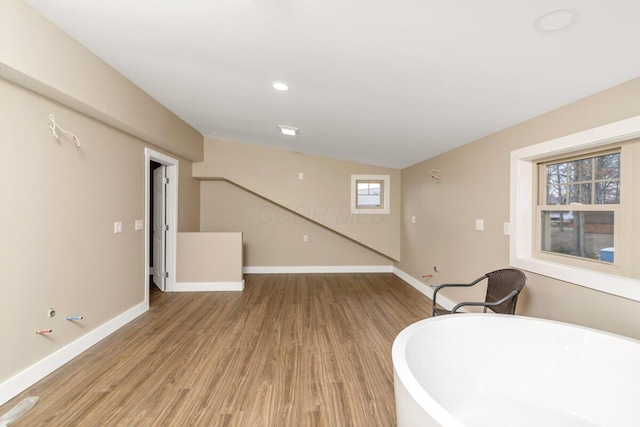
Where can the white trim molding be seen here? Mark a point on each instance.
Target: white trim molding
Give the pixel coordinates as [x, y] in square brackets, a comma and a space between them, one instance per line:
[172, 214]
[386, 195]
[208, 286]
[318, 269]
[424, 289]
[25, 379]
[523, 162]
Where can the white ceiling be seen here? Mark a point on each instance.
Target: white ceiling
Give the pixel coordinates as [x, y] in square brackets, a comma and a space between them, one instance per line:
[385, 82]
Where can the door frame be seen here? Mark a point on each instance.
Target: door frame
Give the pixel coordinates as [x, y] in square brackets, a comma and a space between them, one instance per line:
[157, 231]
[172, 216]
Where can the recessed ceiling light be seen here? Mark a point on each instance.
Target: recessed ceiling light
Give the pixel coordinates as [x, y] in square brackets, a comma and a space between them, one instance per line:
[556, 20]
[282, 87]
[288, 130]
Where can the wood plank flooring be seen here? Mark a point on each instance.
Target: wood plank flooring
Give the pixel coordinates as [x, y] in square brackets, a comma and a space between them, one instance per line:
[291, 350]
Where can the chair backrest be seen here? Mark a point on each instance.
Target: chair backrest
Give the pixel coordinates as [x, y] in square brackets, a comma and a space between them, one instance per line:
[500, 284]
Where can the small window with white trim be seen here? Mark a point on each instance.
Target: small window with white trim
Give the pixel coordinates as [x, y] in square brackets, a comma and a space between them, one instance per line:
[369, 194]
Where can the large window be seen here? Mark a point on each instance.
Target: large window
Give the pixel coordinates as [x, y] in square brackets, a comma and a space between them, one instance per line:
[575, 206]
[578, 202]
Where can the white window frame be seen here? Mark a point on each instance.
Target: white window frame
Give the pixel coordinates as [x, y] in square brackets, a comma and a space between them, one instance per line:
[621, 263]
[385, 209]
[523, 201]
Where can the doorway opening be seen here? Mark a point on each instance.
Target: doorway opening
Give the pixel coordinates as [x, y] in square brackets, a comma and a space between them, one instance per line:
[161, 217]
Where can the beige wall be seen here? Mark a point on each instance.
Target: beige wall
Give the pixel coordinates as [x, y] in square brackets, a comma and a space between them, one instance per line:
[57, 212]
[36, 54]
[273, 235]
[322, 196]
[59, 202]
[209, 257]
[58, 207]
[188, 197]
[476, 185]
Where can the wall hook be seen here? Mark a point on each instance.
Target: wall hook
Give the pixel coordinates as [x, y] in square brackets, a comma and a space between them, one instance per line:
[435, 175]
[53, 126]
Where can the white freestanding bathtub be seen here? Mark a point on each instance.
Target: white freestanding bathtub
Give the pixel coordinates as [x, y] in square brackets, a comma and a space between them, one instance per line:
[509, 371]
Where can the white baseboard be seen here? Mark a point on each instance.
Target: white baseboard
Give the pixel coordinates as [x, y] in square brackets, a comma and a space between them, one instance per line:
[208, 286]
[25, 379]
[424, 288]
[318, 269]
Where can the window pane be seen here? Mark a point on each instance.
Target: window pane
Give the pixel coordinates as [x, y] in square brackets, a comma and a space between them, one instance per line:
[580, 170]
[584, 234]
[557, 173]
[594, 180]
[369, 195]
[368, 200]
[369, 187]
[608, 166]
[556, 195]
[607, 193]
[580, 193]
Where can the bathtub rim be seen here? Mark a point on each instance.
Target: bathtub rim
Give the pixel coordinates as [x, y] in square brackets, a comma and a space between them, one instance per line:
[402, 371]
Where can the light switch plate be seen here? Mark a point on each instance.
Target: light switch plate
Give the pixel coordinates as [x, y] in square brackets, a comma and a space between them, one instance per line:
[479, 225]
[139, 225]
[117, 227]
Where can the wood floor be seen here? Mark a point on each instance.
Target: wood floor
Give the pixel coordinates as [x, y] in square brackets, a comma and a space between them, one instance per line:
[291, 350]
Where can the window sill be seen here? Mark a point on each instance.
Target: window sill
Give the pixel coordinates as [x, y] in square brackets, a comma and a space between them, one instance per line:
[370, 211]
[617, 285]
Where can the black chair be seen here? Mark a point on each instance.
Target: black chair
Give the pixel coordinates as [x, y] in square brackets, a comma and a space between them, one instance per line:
[503, 287]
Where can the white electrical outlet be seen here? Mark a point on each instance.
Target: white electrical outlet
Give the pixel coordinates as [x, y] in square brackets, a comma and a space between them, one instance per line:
[479, 225]
[305, 238]
[300, 176]
[506, 229]
[139, 224]
[117, 227]
[413, 219]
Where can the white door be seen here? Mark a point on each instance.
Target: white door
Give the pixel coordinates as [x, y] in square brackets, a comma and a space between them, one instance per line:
[159, 226]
